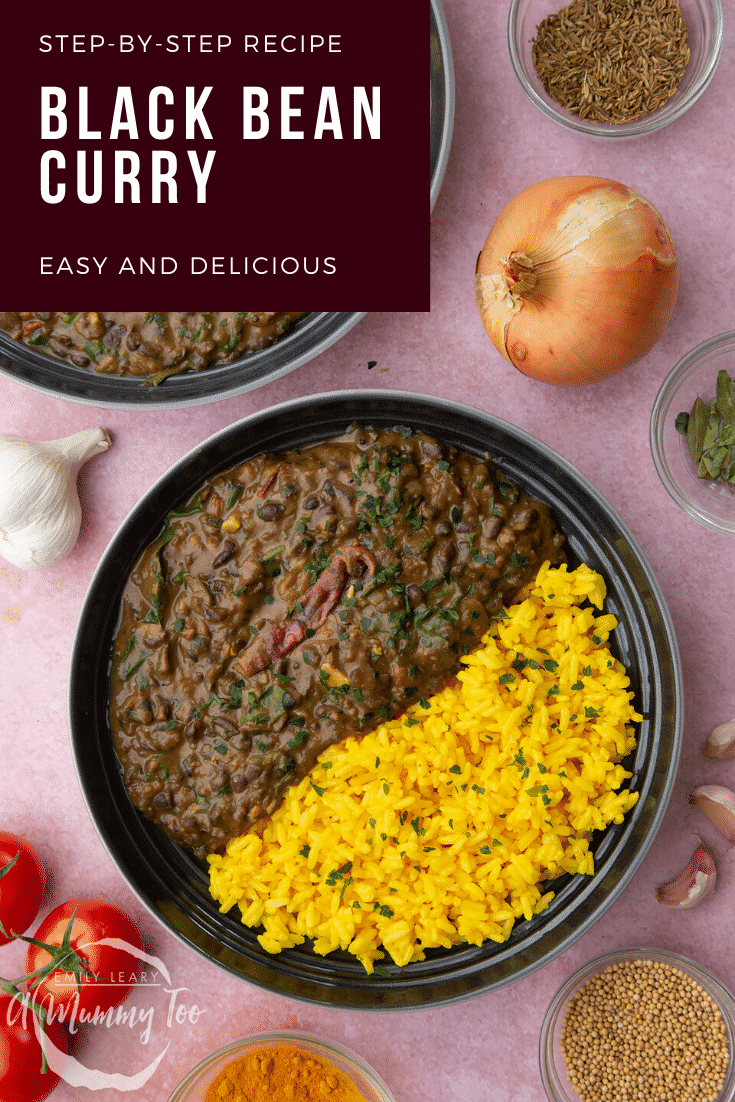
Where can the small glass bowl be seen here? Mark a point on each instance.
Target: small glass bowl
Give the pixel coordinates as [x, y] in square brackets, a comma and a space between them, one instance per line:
[709, 502]
[551, 1061]
[705, 27]
[194, 1087]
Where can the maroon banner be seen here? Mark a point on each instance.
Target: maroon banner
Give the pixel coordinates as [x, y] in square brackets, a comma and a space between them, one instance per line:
[256, 150]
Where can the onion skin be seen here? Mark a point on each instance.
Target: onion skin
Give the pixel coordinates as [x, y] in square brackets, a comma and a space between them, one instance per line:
[695, 884]
[577, 279]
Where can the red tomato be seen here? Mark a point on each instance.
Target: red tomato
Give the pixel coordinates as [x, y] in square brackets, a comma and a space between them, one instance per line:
[21, 1058]
[22, 881]
[115, 970]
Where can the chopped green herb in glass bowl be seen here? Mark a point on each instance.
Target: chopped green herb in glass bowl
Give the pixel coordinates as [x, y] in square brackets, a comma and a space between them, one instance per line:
[692, 433]
[710, 432]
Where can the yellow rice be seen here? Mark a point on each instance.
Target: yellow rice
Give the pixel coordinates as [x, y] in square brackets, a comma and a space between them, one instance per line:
[442, 826]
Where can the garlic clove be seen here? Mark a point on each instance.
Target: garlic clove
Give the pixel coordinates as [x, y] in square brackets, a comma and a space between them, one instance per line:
[720, 743]
[718, 803]
[695, 884]
[40, 514]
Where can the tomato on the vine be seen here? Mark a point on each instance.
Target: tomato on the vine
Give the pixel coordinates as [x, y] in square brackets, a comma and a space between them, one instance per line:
[22, 1074]
[88, 975]
[22, 882]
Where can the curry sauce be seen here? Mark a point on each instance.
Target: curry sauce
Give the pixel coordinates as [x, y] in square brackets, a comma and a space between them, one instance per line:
[154, 345]
[298, 599]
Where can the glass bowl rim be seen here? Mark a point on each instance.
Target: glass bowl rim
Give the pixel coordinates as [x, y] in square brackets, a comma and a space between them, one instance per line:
[648, 124]
[682, 370]
[267, 1037]
[712, 985]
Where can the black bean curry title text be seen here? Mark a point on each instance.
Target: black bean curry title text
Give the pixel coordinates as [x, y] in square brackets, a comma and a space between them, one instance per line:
[109, 128]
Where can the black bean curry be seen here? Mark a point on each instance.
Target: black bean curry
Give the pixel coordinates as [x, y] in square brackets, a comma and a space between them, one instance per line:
[301, 598]
[154, 345]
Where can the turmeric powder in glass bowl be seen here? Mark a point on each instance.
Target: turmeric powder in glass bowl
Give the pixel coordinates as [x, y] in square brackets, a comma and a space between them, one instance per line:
[281, 1066]
[645, 1024]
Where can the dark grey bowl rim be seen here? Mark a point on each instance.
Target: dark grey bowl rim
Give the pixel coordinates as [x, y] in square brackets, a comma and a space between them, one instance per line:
[441, 84]
[172, 886]
[56, 378]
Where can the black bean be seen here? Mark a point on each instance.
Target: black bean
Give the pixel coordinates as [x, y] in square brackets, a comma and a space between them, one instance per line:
[133, 341]
[111, 339]
[415, 594]
[161, 799]
[432, 448]
[63, 339]
[446, 552]
[228, 550]
[225, 724]
[163, 708]
[311, 503]
[79, 359]
[288, 701]
[271, 510]
[148, 349]
[216, 615]
[239, 782]
[521, 517]
[163, 739]
[443, 528]
[144, 711]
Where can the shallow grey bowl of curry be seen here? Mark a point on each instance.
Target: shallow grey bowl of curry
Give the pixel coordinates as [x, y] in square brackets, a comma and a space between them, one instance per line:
[308, 337]
[174, 885]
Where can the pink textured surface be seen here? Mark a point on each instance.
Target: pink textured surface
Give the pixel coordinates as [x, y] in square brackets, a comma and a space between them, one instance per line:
[484, 1050]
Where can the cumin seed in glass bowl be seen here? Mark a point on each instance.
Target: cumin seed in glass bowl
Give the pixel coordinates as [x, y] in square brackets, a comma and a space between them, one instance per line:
[711, 503]
[705, 27]
[640, 1019]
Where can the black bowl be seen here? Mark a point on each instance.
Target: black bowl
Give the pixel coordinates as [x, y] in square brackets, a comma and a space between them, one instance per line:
[310, 335]
[173, 885]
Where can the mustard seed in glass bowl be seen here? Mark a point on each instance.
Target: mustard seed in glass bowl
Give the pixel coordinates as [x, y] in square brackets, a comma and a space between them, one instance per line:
[639, 1025]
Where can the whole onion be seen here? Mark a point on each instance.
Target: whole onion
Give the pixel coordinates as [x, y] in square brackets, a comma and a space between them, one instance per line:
[577, 279]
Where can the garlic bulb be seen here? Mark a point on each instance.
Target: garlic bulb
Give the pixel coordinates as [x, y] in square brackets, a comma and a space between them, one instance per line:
[40, 512]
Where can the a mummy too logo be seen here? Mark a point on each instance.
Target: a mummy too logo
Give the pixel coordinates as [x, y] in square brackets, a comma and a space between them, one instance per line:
[130, 998]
